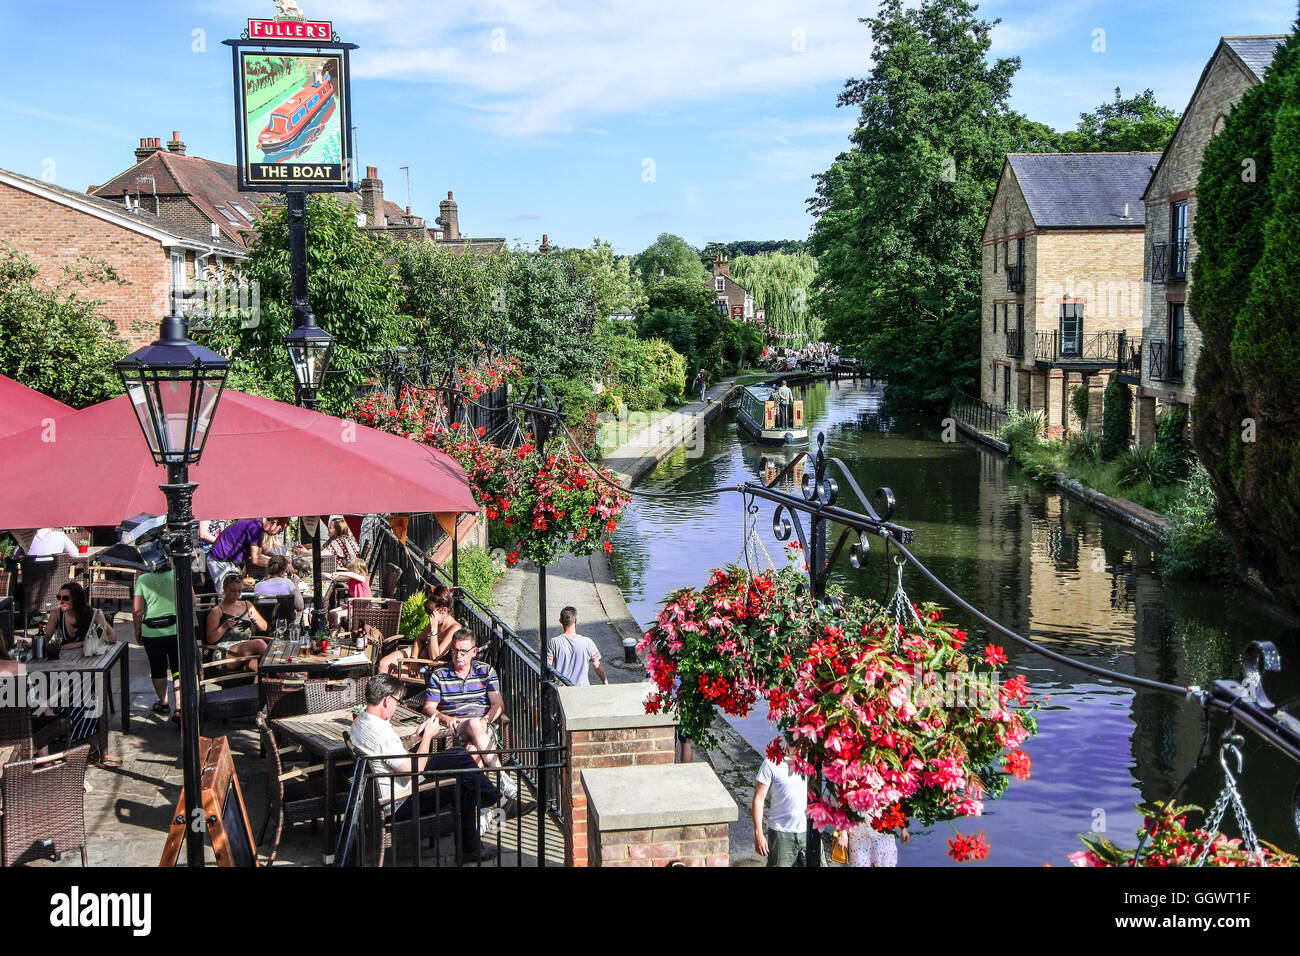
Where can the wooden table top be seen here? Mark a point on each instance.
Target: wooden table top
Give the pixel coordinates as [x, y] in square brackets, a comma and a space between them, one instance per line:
[6, 755]
[285, 654]
[76, 660]
[323, 733]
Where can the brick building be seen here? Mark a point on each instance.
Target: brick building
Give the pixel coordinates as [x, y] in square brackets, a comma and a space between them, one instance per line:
[1171, 340]
[155, 256]
[731, 297]
[1062, 278]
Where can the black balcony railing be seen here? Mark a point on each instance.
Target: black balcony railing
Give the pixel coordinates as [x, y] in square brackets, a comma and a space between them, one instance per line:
[1169, 261]
[1016, 343]
[1099, 348]
[1016, 277]
[1129, 361]
[1166, 362]
[977, 413]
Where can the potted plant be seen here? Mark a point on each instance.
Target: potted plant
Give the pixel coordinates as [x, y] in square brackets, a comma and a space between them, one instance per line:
[84, 545]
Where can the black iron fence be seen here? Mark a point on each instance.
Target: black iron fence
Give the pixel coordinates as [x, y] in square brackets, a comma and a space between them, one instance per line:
[1098, 348]
[1169, 261]
[1016, 343]
[1016, 277]
[1166, 362]
[452, 813]
[392, 562]
[978, 413]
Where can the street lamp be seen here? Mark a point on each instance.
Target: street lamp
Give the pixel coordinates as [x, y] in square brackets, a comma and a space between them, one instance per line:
[174, 386]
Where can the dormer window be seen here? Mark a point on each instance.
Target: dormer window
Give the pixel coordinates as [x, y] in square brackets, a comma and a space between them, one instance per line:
[720, 284]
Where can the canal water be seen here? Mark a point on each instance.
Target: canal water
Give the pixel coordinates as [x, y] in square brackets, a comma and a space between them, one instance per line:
[1043, 565]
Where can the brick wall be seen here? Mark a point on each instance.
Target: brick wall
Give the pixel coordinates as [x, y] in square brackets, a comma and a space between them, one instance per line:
[52, 236]
[589, 749]
[701, 845]
[1225, 83]
[1008, 221]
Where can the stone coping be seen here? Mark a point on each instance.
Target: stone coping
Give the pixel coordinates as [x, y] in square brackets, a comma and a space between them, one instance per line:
[610, 707]
[644, 798]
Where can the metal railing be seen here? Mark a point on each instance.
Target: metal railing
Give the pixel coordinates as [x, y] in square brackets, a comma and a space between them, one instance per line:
[1129, 361]
[1016, 277]
[454, 798]
[1169, 261]
[1100, 348]
[1016, 344]
[978, 413]
[1166, 362]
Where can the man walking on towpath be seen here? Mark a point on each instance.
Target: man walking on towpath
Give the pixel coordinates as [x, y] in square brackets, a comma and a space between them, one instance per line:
[568, 653]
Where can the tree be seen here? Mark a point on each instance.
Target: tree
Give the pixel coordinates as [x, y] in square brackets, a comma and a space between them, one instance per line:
[52, 339]
[454, 299]
[353, 291]
[899, 216]
[1246, 277]
[614, 286]
[550, 317]
[781, 283]
[675, 256]
[1137, 123]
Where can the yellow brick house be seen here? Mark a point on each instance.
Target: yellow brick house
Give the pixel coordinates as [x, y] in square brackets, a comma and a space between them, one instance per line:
[1061, 303]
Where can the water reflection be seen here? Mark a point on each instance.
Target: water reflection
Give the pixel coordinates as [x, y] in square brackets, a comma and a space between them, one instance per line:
[1041, 564]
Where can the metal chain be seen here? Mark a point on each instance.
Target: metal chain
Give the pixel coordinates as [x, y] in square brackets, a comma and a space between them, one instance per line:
[1229, 795]
[900, 605]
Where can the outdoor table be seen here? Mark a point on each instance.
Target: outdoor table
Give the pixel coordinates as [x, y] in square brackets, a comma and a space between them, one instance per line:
[322, 735]
[285, 656]
[74, 661]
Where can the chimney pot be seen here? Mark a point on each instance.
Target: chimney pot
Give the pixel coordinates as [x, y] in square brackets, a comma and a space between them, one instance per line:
[176, 134]
[450, 218]
[372, 172]
[448, 193]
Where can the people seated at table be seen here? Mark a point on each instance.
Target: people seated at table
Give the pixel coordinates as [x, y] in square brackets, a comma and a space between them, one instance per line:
[373, 735]
[341, 543]
[230, 626]
[434, 642]
[241, 542]
[209, 531]
[277, 583]
[357, 578]
[153, 610]
[465, 698]
[50, 541]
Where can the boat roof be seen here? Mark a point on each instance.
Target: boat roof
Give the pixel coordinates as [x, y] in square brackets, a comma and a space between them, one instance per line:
[301, 97]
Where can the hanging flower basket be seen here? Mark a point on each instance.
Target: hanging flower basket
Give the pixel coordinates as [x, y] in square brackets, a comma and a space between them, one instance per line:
[1171, 843]
[891, 722]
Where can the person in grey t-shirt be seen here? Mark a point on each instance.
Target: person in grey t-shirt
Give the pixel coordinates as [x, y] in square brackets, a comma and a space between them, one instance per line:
[568, 653]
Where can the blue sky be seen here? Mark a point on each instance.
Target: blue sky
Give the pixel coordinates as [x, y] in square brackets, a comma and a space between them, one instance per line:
[544, 115]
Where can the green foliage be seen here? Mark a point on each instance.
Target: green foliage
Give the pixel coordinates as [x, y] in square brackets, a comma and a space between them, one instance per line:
[681, 295]
[414, 617]
[353, 291]
[1083, 447]
[1079, 401]
[550, 318]
[52, 339]
[1196, 545]
[781, 284]
[614, 286]
[454, 299]
[675, 256]
[476, 573]
[1137, 123]
[1244, 299]
[643, 373]
[1022, 429]
[1173, 451]
[1137, 465]
[899, 216]
[1116, 419]
[748, 247]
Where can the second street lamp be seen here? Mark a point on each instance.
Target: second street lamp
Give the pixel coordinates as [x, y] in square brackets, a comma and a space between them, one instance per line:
[310, 348]
[174, 386]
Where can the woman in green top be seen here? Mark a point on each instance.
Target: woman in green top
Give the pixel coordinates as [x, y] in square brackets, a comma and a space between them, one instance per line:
[154, 613]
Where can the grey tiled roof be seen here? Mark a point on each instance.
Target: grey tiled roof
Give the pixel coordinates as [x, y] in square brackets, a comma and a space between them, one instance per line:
[1083, 189]
[1255, 52]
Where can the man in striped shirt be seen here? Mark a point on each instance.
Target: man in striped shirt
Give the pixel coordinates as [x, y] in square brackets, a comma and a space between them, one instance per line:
[465, 697]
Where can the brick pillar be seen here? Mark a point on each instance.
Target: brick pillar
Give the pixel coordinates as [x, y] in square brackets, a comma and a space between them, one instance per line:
[606, 726]
[1054, 418]
[1072, 424]
[1144, 421]
[1096, 388]
[654, 816]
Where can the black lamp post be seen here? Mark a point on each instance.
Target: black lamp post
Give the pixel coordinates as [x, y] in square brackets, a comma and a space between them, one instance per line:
[174, 386]
[310, 348]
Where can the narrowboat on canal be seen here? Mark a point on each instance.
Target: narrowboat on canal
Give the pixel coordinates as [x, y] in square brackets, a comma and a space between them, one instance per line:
[293, 118]
[759, 415]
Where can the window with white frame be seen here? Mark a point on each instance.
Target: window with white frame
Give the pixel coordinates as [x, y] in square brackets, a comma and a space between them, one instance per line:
[720, 284]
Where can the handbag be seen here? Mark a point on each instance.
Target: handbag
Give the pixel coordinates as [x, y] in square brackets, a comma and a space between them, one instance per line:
[839, 854]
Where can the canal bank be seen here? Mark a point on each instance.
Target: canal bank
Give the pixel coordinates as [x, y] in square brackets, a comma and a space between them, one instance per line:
[587, 584]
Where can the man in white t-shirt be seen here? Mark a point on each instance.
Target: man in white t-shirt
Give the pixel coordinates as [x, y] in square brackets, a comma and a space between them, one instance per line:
[373, 735]
[783, 845]
[569, 653]
[51, 541]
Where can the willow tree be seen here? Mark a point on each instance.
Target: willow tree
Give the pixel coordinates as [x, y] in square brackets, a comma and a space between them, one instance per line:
[781, 284]
[1245, 298]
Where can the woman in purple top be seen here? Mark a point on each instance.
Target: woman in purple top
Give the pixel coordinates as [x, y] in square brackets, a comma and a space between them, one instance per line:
[241, 542]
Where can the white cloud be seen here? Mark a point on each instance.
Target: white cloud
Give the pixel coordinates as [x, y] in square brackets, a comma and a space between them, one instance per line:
[556, 65]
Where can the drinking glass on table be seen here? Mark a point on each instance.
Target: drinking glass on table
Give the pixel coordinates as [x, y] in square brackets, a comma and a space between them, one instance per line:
[281, 627]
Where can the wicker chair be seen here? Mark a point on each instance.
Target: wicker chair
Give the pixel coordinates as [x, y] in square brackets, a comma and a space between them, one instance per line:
[283, 696]
[225, 694]
[383, 615]
[392, 578]
[292, 795]
[324, 695]
[16, 730]
[5, 577]
[42, 578]
[111, 597]
[44, 807]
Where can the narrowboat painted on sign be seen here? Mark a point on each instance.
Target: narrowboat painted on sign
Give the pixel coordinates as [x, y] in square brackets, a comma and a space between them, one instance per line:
[761, 415]
[289, 122]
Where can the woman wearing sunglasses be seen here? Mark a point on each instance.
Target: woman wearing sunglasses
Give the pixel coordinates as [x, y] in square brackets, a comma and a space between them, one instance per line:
[75, 618]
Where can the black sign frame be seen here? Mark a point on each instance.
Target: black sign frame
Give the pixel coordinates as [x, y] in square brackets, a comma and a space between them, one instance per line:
[346, 181]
